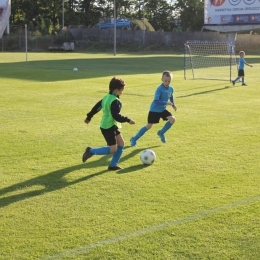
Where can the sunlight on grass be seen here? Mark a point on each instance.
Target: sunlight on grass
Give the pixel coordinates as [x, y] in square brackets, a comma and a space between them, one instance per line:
[55, 207]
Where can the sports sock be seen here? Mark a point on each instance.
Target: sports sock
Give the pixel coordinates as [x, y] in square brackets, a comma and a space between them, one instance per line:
[140, 133]
[117, 155]
[236, 79]
[166, 127]
[100, 150]
[243, 80]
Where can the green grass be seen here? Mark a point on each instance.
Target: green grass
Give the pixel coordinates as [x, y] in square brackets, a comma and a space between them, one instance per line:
[199, 200]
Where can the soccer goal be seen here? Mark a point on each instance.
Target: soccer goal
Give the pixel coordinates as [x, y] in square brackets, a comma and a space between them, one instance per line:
[209, 60]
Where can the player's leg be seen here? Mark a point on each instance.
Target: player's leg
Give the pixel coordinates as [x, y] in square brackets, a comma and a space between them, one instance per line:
[144, 129]
[118, 153]
[109, 135]
[242, 75]
[166, 115]
[237, 78]
[95, 151]
[243, 80]
[153, 118]
[140, 133]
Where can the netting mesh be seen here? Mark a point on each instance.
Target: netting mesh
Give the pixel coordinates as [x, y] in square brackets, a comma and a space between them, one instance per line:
[209, 60]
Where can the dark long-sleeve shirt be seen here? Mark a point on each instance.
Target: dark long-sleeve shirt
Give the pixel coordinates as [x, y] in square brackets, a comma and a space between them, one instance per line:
[115, 111]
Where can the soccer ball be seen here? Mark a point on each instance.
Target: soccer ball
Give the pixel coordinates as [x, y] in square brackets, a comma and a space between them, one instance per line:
[147, 156]
[75, 69]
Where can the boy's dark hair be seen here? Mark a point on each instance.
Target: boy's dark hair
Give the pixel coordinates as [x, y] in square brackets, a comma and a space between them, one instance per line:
[116, 83]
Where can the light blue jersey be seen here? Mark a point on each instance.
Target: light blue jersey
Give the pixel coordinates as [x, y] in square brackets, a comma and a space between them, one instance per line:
[241, 63]
[161, 97]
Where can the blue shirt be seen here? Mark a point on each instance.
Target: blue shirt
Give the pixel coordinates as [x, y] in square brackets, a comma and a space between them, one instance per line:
[161, 97]
[241, 63]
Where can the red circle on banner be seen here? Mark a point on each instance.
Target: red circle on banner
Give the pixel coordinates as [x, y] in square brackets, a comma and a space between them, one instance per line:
[217, 2]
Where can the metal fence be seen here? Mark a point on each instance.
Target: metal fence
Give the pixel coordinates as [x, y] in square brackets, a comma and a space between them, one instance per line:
[34, 43]
[247, 42]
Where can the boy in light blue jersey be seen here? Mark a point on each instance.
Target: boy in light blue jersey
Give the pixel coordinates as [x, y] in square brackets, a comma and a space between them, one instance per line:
[241, 71]
[158, 110]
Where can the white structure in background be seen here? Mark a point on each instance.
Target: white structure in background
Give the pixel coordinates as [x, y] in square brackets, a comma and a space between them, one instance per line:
[231, 16]
[66, 46]
[5, 12]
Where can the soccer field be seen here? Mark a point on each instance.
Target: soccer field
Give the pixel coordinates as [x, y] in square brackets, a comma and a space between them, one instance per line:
[199, 200]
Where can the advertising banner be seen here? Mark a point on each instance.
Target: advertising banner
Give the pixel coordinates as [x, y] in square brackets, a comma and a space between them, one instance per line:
[221, 12]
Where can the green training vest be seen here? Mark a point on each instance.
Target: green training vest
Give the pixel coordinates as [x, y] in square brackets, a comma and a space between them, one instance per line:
[107, 120]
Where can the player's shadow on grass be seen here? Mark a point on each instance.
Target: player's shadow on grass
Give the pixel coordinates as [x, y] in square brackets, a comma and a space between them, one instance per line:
[205, 92]
[134, 167]
[56, 180]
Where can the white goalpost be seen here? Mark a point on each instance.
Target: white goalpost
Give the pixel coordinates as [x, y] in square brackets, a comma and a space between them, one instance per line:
[209, 60]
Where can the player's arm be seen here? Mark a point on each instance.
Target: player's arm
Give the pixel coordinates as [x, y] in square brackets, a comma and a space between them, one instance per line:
[93, 111]
[115, 111]
[248, 64]
[157, 100]
[172, 101]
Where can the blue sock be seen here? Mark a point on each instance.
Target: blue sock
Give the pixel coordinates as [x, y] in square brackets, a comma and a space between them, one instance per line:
[166, 127]
[117, 155]
[100, 150]
[140, 133]
[243, 80]
[236, 79]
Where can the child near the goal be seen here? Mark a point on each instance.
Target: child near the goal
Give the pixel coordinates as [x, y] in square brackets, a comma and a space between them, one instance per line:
[110, 124]
[241, 71]
[163, 94]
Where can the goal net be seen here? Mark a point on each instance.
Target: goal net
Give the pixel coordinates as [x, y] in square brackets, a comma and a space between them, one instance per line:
[209, 60]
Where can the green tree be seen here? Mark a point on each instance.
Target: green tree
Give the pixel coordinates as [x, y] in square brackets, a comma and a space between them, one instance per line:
[160, 14]
[191, 14]
[40, 14]
[46, 15]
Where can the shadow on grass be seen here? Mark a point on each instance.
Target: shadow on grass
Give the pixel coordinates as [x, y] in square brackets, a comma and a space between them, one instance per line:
[205, 92]
[88, 68]
[134, 167]
[55, 180]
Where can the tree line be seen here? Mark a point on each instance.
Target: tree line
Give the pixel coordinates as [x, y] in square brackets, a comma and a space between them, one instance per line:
[48, 16]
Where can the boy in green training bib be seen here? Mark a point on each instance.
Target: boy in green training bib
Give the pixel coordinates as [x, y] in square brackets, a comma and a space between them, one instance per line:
[110, 124]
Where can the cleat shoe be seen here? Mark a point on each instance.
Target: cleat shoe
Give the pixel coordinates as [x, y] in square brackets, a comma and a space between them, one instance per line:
[244, 84]
[233, 82]
[161, 136]
[87, 154]
[114, 168]
[133, 141]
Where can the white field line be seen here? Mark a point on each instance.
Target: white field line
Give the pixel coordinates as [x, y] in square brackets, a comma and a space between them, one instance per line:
[81, 250]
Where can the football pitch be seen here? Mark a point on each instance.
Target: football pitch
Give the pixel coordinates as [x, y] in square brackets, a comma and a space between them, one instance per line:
[199, 200]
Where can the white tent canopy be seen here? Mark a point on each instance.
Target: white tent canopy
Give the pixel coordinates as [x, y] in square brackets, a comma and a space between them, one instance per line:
[5, 12]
